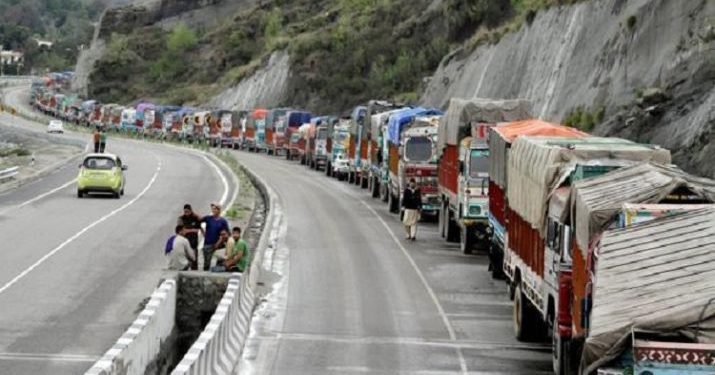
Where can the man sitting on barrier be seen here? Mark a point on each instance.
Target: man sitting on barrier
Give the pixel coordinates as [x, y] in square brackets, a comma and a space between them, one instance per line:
[237, 257]
[181, 255]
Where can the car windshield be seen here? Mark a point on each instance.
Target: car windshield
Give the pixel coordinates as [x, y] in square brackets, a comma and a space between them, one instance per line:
[478, 163]
[99, 163]
[418, 149]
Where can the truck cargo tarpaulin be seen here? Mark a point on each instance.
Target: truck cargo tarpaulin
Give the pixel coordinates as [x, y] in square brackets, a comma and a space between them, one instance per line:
[502, 136]
[463, 113]
[538, 165]
[399, 119]
[655, 277]
[597, 201]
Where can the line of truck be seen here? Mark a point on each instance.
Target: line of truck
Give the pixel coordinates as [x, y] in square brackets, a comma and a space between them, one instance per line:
[552, 207]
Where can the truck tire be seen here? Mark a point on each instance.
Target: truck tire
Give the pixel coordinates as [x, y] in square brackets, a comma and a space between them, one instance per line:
[452, 230]
[466, 241]
[351, 177]
[364, 182]
[393, 204]
[495, 266]
[525, 317]
[375, 188]
[559, 351]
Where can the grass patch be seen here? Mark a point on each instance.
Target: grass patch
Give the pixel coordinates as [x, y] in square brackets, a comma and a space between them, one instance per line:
[585, 119]
[14, 151]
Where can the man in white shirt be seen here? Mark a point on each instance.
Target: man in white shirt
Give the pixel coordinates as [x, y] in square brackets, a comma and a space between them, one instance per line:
[181, 255]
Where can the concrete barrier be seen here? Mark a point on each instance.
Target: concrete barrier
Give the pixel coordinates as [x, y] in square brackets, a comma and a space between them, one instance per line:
[142, 341]
[218, 348]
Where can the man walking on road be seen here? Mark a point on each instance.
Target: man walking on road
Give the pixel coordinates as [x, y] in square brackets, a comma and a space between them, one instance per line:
[102, 141]
[95, 139]
[181, 255]
[192, 223]
[412, 205]
[214, 225]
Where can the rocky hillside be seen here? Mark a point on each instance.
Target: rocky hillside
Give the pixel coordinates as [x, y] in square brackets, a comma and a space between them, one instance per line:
[640, 69]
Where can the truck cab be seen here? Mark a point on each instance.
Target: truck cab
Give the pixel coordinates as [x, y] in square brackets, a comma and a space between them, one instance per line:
[473, 191]
[418, 160]
[338, 163]
[128, 122]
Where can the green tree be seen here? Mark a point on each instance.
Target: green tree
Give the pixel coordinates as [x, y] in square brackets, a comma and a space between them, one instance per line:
[181, 39]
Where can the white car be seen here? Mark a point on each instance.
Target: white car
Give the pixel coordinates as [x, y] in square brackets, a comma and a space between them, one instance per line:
[55, 126]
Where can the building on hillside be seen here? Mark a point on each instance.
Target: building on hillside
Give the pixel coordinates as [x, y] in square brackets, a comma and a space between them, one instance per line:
[43, 43]
[11, 57]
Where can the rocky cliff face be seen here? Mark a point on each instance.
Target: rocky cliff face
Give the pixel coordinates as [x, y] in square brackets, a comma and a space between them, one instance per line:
[641, 69]
[126, 16]
[265, 88]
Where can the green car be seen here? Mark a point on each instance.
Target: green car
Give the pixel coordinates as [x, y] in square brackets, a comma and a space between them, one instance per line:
[102, 173]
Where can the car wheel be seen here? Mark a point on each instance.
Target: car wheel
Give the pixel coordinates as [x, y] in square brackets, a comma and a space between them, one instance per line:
[121, 192]
[80, 194]
[117, 195]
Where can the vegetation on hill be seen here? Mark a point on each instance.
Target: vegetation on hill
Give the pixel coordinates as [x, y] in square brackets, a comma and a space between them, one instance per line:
[342, 51]
[65, 23]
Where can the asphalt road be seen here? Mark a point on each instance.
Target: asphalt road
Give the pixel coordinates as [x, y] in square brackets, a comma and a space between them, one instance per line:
[355, 297]
[74, 271]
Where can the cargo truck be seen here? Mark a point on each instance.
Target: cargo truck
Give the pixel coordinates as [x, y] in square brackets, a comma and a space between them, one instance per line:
[500, 140]
[287, 128]
[140, 119]
[411, 153]
[232, 125]
[376, 175]
[636, 194]
[323, 146]
[652, 305]
[371, 141]
[255, 137]
[275, 118]
[337, 165]
[355, 153]
[463, 167]
[300, 139]
[128, 120]
[541, 172]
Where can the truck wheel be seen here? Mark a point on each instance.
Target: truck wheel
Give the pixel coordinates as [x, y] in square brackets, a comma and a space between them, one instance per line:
[559, 350]
[495, 263]
[393, 204]
[375, 188]
[364, 182]
[466, 241]
[452, 229]
[526, 320]
[327, 169]
[383, 193]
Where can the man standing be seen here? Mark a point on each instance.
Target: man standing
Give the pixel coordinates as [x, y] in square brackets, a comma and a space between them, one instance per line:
[102, 141]
[95, 139]
[181, 255]
[412, 204]
[214, 225]
[192, 224]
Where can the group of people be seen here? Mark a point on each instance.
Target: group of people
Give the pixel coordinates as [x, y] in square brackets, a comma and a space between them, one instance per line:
[99, 138]
[223, 249]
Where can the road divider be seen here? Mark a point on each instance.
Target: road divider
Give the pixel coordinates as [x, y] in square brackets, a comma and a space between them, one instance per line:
[142, 342]
[9, 173]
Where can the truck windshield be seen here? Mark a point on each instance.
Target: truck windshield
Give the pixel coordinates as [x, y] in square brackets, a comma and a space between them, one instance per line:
[340, 137]
[478, 163]
[322, 134]
[418, 149]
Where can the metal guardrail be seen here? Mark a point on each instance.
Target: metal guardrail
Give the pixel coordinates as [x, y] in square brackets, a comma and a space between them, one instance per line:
[9, 173]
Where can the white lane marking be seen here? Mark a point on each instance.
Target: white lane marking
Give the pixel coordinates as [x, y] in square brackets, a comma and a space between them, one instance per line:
[440, 310]
[37, 198]
[83, 231]
[224, 197]
[49, 357]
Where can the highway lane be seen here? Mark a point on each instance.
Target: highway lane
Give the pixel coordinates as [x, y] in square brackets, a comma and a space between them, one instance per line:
[75, 271]
[357, 298]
